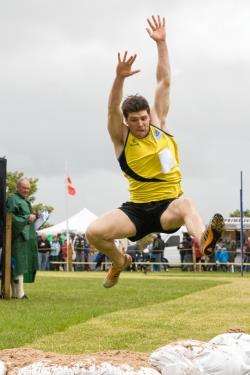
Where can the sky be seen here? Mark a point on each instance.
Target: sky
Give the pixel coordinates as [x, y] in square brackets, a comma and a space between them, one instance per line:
[57, 65]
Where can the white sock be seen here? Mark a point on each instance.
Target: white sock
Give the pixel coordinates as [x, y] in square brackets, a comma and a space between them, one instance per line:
[20, 290]
[17, 287]
[14, 288]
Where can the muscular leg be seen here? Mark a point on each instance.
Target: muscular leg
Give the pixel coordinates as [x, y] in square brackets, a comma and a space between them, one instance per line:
[182, 211]
[103, 231]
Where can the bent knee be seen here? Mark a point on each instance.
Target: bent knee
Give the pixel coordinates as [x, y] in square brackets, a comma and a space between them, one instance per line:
[187, 205]
[96, 232]
[92, 232]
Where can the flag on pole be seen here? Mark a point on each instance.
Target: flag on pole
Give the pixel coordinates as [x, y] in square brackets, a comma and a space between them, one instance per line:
[71, 190]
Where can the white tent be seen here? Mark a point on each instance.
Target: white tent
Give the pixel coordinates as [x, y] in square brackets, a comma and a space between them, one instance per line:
[77, 223]
[233, 223]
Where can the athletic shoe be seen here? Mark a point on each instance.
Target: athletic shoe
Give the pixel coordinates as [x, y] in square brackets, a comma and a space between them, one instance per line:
[212, 234]
[114, 272]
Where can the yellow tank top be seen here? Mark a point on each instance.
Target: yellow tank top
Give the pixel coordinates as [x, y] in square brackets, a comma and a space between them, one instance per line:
[151, 166]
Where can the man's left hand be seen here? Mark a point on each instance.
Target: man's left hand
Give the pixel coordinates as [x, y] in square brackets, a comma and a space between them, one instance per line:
[32, 218]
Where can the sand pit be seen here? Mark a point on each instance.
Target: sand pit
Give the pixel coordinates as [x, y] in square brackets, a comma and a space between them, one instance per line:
[21, 357]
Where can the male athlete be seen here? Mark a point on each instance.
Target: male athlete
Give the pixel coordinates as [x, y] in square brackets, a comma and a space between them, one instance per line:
[148, 156]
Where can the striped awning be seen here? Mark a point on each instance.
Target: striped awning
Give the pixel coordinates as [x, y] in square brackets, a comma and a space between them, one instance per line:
[233, 223]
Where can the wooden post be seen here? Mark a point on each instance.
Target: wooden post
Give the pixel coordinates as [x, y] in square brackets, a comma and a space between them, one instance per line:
[6, 279]
[69, 257]
[194, 258]
[5, 236]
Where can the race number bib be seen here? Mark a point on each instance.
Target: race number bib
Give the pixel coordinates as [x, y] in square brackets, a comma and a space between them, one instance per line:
[167, 160]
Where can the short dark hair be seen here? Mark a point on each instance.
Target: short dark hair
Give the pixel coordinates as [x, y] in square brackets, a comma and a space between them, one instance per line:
[134, 103]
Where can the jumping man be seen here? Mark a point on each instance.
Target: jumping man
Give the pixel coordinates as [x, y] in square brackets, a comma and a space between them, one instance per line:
[148, 156]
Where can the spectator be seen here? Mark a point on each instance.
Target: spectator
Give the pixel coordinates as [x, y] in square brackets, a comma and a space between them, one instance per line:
[156, 252]
[222, 257]
[63, 255]
[78, 248]
[182, 254]
[62, 237]
[165, 262]
[142, 256]
[24, 252]
[100, 259]
[86, 252]
[146, 258]
[134, 251]
[211, 259]
[43, 253]
[247, 254]
[54, 254]
[186, 247]
[232, 253]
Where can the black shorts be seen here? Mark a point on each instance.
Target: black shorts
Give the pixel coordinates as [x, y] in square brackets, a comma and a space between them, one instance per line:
[146, 217]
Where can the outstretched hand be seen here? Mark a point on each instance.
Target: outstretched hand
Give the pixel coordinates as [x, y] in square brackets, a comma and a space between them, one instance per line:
[156, 28]
[124, 66]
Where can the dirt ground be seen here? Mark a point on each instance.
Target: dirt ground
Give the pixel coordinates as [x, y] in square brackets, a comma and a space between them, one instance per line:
[21, 357]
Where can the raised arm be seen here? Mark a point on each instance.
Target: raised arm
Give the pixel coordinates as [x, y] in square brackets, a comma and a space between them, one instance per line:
[115, 118]
[160, 109]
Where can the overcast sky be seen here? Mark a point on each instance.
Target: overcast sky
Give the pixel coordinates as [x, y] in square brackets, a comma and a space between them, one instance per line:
[57, 63]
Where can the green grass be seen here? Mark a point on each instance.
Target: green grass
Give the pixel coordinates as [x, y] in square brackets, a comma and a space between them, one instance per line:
[73, 313]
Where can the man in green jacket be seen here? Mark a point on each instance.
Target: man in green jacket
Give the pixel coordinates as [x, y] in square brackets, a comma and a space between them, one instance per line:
[24, 255]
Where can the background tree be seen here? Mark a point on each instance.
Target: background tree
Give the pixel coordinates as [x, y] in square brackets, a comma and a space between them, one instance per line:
[236, 213]
[39, 207]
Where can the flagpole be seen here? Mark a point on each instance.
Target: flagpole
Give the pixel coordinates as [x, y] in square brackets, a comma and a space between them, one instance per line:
[67, 213]
[69, 189]
[241, 223]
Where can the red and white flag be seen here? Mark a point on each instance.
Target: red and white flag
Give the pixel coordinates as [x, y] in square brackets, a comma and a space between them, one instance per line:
[71, 190]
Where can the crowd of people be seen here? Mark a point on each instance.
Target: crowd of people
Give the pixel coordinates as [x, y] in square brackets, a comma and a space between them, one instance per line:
[148, 254]
[52, 254]
[223, 259]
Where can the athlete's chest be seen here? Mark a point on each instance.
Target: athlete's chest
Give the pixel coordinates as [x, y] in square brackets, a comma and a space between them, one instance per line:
[150, 146]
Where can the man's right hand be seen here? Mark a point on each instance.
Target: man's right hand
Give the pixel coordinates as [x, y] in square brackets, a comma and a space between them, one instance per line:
[124, 66]
[32, 218]
[157, 30]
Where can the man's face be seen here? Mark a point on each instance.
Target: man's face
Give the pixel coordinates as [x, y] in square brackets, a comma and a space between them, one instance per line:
[138, 123]
[23, 188]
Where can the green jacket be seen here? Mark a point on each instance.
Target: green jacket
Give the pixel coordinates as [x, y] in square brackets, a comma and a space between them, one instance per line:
[24, 239]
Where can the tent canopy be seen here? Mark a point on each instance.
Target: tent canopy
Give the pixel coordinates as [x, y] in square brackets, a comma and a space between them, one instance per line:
[233, 223]
[77, 223]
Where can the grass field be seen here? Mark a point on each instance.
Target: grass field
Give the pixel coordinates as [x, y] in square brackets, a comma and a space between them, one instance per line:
[73, 313]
